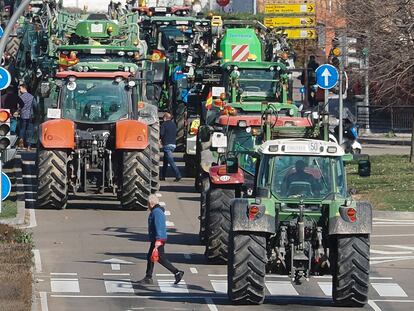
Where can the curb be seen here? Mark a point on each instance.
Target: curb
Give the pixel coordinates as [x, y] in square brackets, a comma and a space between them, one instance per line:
[21, 209]
[393, 142]
[394, 215]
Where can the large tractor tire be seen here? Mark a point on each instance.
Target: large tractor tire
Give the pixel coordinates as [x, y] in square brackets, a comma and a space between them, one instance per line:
[13, 46]
[52, 189]
[190, 165]
[136, 179]
[205, 185]
[218, 224]
[246, 269]
[350, 275]
[154, 144]
[179, 116]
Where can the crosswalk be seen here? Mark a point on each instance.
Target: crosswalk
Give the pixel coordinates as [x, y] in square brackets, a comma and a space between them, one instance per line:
[275, 286]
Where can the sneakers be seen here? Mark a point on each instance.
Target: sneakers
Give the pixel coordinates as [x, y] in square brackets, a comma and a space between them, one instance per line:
[178, 276]
[147, 281]
[162, 178]
[177, 179]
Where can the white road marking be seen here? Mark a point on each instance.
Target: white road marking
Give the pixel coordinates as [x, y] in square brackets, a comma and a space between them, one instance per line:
[162, 204]
[389, 290]
[30, 200]
[37, 260]
[29, 176]
[283, 288]
[374, 251]
[179, 297]
[326, 287]
[217, 275]
[169, 224]
[187, 256]
[119, 286]
[168, 286]
[392, 224]
[193, 270]
[411, 248]
[373, 305]
[167, 213]
[210, 304]
[392, 220]
[163, 274]
[391, 235]
[43, 301]
[64, 273]
[158, 194]
[27, 162]
[116, 274]
[116, 263]
[219, 286]
[64, 285]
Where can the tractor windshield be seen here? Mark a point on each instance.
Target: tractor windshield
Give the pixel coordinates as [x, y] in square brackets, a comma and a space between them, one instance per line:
[259, 83]
[94, 100]
[313, 177]
[243, 141]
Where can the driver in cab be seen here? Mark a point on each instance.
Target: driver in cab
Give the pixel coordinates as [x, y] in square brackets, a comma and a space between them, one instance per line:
[300, 176]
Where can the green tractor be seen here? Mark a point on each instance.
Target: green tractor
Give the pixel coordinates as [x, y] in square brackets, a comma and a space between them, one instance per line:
[300, 222]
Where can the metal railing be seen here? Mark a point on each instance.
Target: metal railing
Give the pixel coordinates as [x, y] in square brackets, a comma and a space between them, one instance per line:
[384, 119]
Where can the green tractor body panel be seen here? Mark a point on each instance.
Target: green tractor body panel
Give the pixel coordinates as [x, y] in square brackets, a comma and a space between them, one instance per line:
[97, 29]
[239, 44]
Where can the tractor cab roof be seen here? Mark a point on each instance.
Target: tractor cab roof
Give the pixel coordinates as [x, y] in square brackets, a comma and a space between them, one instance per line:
[310, 147]
[93, 74]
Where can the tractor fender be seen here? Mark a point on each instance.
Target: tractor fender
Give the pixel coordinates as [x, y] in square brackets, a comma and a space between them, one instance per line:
[241, 221]
[225, 179]
[363, 224]
[131, 135]
[57, 134]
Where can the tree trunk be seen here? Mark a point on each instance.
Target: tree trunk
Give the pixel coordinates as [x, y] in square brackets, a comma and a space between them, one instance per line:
[412, 143]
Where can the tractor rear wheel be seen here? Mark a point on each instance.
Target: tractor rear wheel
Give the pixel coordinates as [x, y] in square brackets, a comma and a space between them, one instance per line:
[136, 179]
[154, 144]
[218, 223]
[350, 275]
[205, 184]
[52, 189]
[246, 269]
[179, 116]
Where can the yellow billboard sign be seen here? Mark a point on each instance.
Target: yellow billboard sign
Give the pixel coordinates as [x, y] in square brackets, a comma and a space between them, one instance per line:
[290, 22]
[301, 33]
[308, 8]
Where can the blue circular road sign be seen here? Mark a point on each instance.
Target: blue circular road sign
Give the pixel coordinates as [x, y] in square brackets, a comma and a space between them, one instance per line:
[5, 186]
[1, 32]
[5, 78]
[326, 76]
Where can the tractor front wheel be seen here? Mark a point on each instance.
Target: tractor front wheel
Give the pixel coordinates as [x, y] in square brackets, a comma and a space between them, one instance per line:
[350, 275]
[179, 116]
[52, 189]
[154, 156]
[246, 269]
[136, 179]
[205, 184]
[218, 223]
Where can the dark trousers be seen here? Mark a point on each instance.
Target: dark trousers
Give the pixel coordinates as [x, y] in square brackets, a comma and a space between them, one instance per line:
[26, 131]
[163, 261]
[169, 159]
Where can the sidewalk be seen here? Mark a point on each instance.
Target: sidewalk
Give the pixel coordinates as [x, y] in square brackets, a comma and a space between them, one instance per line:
[381, 139]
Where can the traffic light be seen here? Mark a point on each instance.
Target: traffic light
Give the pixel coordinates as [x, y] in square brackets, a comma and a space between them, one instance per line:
[7, 141]
[335, 53]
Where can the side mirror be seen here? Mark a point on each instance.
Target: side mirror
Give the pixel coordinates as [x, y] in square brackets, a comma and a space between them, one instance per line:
[232, 163]
[45, 89]
[204, 134]
[150, 92]
[364, 168]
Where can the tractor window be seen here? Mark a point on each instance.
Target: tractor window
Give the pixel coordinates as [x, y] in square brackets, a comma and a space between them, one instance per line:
[244, 143]
[259, 83]
[311, 177]
[94, 100]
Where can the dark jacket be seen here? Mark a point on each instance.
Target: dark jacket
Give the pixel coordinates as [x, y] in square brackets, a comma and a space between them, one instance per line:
[157, 229]
[168, 133]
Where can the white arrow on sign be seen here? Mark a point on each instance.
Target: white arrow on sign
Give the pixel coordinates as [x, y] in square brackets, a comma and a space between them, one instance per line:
[116, 263]
[326, 74]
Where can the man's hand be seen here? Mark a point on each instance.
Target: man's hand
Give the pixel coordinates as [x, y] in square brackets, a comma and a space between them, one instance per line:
[159, 243]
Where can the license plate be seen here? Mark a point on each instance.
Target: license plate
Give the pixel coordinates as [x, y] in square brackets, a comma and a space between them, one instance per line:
[53, 113]
[97, 28]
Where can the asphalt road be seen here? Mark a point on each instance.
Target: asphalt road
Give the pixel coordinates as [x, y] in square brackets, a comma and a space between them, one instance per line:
[89, 257]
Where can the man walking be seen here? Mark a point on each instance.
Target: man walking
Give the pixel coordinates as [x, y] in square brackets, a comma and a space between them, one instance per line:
[27, 104]
[168, 133]
[157, 233]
